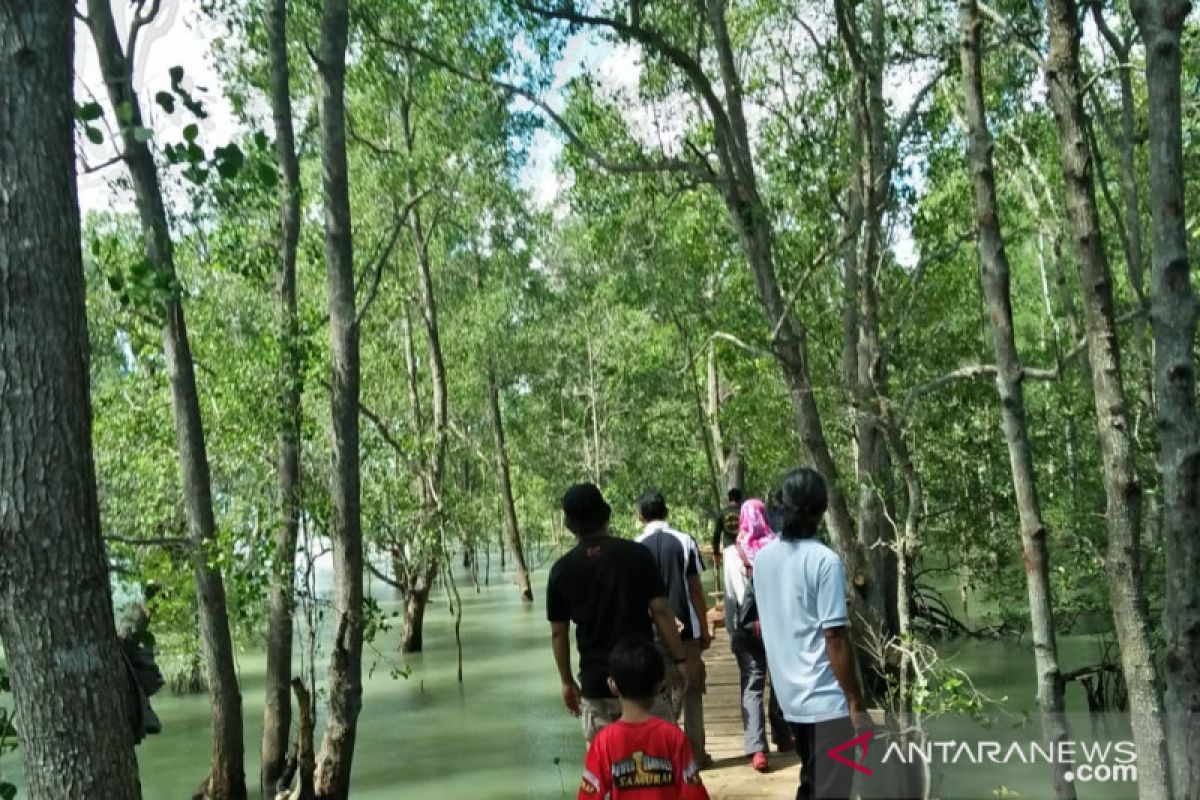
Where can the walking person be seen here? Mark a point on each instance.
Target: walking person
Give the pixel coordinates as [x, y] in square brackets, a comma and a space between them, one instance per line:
[745, 637]
[677, 557]
[725, 529]
[610, 589]
[800, 590]
[639, 756]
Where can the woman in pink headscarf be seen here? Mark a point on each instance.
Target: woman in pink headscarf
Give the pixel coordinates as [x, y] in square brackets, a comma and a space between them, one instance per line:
[754, 533]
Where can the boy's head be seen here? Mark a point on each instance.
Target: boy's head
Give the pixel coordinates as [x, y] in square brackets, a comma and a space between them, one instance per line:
[652, 506]
[736, 495]
[635, 671]
[584, 510]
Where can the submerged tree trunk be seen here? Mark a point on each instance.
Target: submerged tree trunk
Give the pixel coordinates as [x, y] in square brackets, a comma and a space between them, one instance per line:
[227, 780]
[332, 779]
[1173, 315]
[1122, 487]
[277, 713]
[994, 276]
[504, 484]
[69, 680]
[416, 598]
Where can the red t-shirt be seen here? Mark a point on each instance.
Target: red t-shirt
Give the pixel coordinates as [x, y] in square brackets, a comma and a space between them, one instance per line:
[649, 760]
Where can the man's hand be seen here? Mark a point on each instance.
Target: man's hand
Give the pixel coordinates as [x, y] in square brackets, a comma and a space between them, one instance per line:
[706, 638]
[571, 698]
[678, 625]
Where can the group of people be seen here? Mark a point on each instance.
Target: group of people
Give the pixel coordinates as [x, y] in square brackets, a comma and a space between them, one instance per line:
[641, 624]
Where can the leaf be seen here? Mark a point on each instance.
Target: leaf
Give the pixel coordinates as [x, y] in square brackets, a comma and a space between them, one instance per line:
[190, 132]
[176, 74]
[89, 112]
[166, 100]
[229, 160]
[7, 791]
[94, 135]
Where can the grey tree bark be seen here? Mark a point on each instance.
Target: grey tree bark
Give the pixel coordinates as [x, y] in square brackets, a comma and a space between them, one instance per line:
[994, 277]
[1121, 484]
[504, 484]
[69, 681]
[277, 713]
[227, 780]
[864, 362]
[1173, 318]
[335, 758]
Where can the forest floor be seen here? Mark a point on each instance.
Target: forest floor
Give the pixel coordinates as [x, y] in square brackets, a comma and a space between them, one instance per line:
[731, 777]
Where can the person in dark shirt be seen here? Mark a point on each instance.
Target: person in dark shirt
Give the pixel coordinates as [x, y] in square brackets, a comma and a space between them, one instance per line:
[725, 530]
[610, 589]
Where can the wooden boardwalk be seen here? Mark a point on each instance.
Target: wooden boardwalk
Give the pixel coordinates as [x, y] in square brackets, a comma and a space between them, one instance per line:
[731, 776]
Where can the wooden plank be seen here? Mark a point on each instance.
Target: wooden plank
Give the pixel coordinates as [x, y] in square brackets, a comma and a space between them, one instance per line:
[730, 777]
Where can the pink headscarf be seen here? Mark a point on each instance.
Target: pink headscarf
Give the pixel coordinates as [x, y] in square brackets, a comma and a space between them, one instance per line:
[754, 532]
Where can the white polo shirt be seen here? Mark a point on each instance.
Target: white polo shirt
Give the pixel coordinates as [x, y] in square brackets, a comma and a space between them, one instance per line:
[800, 589]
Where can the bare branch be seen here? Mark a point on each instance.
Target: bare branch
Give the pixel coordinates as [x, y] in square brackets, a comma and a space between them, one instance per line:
[140, 20]
[379, 260]
[1000, 22]
[160, 541]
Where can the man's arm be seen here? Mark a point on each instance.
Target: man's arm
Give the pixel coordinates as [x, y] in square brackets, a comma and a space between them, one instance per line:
[560, 642]
[664, 619]
[696, 592]
[841, 659]
[718, 529]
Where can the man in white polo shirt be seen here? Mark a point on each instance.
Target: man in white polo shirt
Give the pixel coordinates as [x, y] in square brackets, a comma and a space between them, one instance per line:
[679, 563]
[800, 589]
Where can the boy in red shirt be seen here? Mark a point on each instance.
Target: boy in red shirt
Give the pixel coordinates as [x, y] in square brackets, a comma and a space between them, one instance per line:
[639, 757]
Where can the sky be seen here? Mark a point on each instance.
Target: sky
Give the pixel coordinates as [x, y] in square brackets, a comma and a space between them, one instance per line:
[181, 36]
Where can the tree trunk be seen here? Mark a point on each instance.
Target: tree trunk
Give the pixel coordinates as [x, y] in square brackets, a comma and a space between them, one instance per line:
[1173, 316]
[227, 780]
[994, 277]
[1121, 485]
[865, 368]
[277, 714]
[504, 484]
[789, 338]
[335, 759]
[69, 679]
[416, 598]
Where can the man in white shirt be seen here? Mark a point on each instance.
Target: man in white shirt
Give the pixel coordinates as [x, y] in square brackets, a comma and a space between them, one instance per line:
[679, 563]
[800, 589]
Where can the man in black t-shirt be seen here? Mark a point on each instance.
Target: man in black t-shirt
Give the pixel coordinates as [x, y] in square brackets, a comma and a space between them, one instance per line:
[610, 589]
[726, 529]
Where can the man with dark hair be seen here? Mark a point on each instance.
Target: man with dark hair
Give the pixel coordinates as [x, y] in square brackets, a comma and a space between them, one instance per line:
[639, 755]
[611, 589]
[679, 564]
[725, 530]
[800, 590]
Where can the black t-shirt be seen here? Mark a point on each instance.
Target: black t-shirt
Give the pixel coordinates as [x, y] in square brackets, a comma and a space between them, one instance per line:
[604, 585]
[725, 530]
[676, 563]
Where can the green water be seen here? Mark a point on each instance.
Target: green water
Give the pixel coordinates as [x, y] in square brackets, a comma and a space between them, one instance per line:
[499, 734]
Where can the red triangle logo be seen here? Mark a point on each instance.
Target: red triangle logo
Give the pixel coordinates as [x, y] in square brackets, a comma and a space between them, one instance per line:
[863, 739]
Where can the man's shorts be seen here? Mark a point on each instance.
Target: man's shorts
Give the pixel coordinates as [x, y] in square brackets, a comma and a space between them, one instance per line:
[600, 711]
